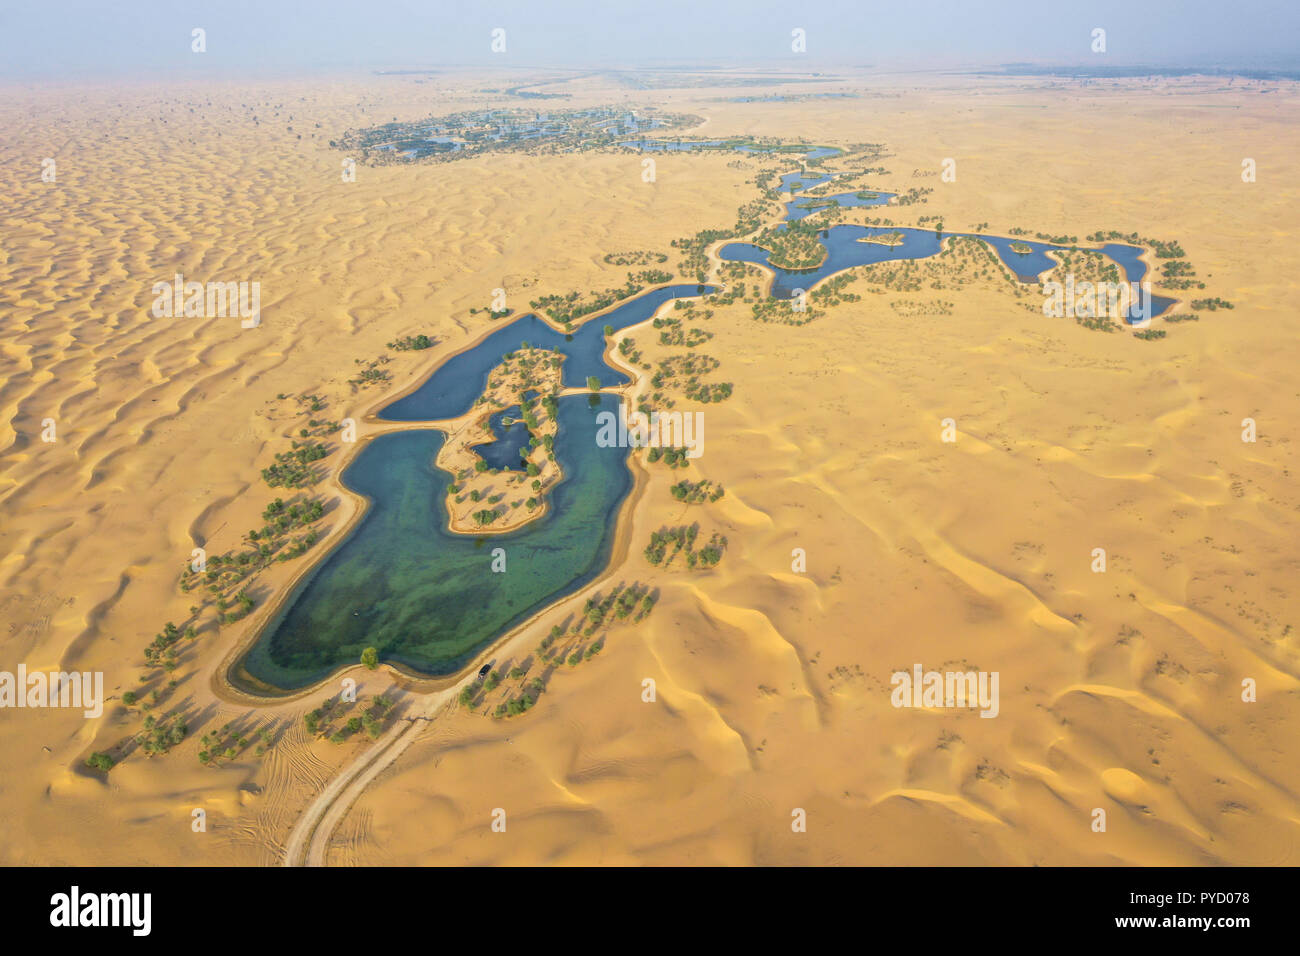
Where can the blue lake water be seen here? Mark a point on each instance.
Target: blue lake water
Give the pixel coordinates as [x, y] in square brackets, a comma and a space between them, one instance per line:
[508, 440]
[823, 152]
[801, 208]
[451, 390]
[844, 250]
[1129, 259]
[798, 182]
[424, 596]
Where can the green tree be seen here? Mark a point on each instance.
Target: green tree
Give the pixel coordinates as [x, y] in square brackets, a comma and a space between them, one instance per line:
[100, 761]
[370, 658]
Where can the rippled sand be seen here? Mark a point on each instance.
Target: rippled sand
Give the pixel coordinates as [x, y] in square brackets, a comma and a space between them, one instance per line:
[1119, 691]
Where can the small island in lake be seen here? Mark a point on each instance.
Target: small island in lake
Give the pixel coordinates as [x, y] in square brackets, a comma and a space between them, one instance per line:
[501, 451]
[894, 238]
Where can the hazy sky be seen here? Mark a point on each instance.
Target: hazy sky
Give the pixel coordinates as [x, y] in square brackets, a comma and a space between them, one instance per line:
[53, 37]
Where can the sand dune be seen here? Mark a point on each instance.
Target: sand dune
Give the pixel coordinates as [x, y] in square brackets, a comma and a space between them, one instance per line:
[1120, 691]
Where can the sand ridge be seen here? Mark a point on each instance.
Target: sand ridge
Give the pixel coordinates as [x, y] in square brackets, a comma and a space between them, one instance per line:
[1121, 690]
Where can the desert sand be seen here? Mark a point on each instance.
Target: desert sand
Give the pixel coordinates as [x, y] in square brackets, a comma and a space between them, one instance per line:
[1119, 690]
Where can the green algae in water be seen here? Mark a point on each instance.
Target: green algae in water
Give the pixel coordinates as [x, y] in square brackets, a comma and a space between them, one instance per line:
[425, 597]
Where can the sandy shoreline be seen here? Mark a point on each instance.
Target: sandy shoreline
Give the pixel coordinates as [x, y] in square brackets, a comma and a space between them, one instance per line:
[1120, 690]
[225, 688]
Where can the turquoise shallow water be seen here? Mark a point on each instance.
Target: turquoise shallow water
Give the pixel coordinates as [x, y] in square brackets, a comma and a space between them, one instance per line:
[428, 599]
[451, 390]
[425, 597]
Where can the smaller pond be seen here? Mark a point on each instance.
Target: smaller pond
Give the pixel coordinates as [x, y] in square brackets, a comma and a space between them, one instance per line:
[508, 440]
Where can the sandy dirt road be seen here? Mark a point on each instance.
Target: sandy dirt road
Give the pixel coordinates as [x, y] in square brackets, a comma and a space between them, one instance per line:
[309, 841]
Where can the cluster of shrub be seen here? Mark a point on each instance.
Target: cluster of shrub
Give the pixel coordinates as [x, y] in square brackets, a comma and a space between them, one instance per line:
[682, 540]
[749, 217]
[639, 257]
[672, 457]
[412, 343]
[672, 333]
[515, 705]
[370, 720]
[914, 195]
[229, 742]
[567, 308]
[293, 469]
[696, 492]
[371, 373]
[793, 245]
[627, 348]
[563, 647]
[684, 371]
[1046, 237]
[162, 651]
[270, 542]
[832, 291]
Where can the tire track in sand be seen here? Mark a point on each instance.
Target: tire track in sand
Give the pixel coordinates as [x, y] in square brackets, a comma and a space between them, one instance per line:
[309, 841]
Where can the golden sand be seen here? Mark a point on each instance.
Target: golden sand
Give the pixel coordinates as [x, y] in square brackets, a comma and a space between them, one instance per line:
[1120, 691]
